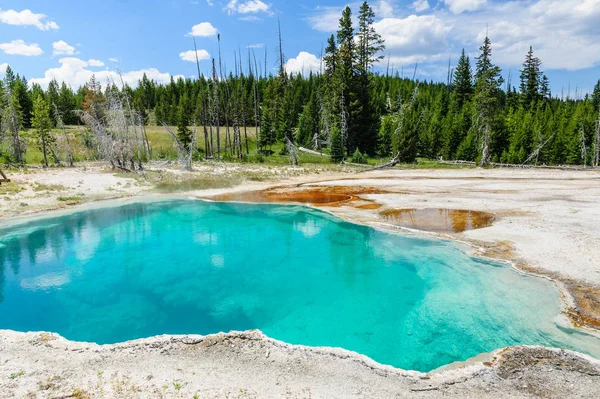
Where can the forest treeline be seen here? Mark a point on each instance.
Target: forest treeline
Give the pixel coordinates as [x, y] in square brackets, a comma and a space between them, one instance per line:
[345, 110]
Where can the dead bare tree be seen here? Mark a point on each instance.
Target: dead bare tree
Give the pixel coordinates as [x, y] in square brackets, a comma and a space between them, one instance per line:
[243, 113]
[280, 49]
[3, 178]
[185, 154]
[292, 151]
[118, 132]
[403, 108]
[343, 123]
[583, 147]
[485, 145]
[215, 108]
[321, 138]
[597, 143]
[205, 123]
[535, 154]
[61, 126]
[225, 102]
[255, 74]
[12, 121]
[389, 164]
[306, 150]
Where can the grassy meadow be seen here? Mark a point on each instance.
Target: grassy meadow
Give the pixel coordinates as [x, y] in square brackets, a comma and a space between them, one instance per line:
[163, 149]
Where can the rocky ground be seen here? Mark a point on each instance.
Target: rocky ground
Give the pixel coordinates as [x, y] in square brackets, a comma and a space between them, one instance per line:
[545, 221]
[250, 365]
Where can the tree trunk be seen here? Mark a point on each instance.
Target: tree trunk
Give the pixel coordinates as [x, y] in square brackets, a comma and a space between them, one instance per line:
[597, 144]
[485, 153]
[44, 149]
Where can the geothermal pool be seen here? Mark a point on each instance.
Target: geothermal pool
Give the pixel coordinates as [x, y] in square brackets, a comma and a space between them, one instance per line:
[300, 275]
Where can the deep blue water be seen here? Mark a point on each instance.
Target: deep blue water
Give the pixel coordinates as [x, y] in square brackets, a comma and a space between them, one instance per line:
[299, 275]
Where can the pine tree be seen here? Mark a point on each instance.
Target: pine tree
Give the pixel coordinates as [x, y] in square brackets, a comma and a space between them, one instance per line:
[531, 79]
[337, 150]
[487, 105]
[52, 95]
[345, 34]
[358, 157]
[20, 91]
[345, 78]
[330, 58]
[330, 91]
[184, 134]
[596, 96]
[370, 45]
[545, 91]
[9, 78]
[486, 101]
[183, 117]
[67, 104]
[463, 81]
[42, 125]
[267, 132]
[385, 136]
[484, 61]
[308, 125]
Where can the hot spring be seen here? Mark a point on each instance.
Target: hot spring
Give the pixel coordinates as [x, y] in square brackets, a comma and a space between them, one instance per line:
[300, 275]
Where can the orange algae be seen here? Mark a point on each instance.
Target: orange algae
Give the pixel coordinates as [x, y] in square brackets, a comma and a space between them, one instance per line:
[324, 196]
[439, 220]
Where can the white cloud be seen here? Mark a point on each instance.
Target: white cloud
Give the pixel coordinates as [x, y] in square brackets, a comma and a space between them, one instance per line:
[326, 19]
[415, 38]
[247, 7]
[384, 9]
[19, 47]
[3, 68]
[75, 73]
[420, 5]
[191, 57]
[564, 33]
[304, 63]
[249, 18]
[62, 48]
[26, 18]
[113, 59]
[204, 29]
[95, 63]
[459, 6]
[257, 45]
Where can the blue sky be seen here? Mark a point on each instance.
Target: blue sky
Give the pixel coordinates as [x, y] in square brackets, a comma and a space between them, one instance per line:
[71, 39]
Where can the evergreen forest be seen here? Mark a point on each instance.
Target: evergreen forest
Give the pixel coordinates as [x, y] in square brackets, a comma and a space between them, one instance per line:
[352, 110]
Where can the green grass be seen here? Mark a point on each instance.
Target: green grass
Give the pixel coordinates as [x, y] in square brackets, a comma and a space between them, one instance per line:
[34, 155]
[163, 149]
[16, 375]
[423, 163]
[10, 188]
[197, 183]
[48, 187]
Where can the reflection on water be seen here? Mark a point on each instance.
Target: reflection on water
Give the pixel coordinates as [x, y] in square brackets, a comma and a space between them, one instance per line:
[299, 275]
[439, 220]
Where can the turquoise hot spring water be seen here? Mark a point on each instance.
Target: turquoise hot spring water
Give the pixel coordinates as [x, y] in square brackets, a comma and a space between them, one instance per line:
[301, 276]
